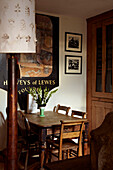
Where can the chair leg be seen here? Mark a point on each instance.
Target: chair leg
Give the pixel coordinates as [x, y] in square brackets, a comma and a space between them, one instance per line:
[83, 143]
[4, 152]
[47, 156]
[60, 155]
[48, 153]
[20, 166]
[26, 160]
[20, 152]
[68, 154]
[63, 155]
[53, 132]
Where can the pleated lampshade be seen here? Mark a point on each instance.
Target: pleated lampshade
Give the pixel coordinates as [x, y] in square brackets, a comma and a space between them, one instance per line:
[17, 26]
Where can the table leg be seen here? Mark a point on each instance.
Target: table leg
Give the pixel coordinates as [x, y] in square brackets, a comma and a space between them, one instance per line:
[43, 134]
[86, 147]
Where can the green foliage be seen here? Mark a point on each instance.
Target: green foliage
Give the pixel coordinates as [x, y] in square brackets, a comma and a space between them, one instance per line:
[43, 95]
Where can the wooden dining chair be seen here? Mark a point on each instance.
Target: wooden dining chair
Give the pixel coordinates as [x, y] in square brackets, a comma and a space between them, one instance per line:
[80, 114]
[29, 140]
[61, 109]
[60, 146]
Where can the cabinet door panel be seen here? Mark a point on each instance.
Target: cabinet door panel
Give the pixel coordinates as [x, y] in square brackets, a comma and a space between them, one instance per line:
[102, 62]
[97, 58]
[99, 110]
[109, 55]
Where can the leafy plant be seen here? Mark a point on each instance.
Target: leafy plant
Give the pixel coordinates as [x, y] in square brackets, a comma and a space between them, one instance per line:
[43, 95]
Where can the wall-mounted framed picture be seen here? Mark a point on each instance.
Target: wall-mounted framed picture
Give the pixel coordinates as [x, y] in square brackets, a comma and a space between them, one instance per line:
[73, 42]
[73, 64]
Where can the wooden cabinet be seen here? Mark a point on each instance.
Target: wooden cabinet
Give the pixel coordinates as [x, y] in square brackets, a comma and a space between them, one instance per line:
[99, 67]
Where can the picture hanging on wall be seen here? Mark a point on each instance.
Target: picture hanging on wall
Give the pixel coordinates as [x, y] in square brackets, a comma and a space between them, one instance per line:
[73, 64]
[73, 42]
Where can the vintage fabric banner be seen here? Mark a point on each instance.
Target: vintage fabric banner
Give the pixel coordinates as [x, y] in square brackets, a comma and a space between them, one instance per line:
[40, 68]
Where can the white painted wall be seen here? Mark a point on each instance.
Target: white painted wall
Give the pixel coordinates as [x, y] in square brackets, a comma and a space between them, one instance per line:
[72, 88]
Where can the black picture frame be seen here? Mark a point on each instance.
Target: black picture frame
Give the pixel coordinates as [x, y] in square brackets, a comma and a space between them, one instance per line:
[73, 42]
[73, 64]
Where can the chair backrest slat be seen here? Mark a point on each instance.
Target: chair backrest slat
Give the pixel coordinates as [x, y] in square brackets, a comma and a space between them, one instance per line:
[78, 113]
[70, 135]
[61, 108]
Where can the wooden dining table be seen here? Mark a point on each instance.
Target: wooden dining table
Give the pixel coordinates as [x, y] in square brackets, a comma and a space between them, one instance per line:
[40, 125]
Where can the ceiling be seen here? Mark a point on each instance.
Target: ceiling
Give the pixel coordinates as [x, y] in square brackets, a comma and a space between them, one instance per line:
[78, 8]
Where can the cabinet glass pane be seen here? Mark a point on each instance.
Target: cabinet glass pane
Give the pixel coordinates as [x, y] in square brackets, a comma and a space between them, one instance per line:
[109, 46]
[99, 60]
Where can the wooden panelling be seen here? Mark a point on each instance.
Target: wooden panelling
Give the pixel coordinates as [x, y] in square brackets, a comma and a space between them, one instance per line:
[99, 110]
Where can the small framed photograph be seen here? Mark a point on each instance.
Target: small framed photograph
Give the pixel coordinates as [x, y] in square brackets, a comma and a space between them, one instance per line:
[73, 64]
[73, 42]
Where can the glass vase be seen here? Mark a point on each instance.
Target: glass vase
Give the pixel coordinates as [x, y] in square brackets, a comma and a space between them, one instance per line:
[42, 111]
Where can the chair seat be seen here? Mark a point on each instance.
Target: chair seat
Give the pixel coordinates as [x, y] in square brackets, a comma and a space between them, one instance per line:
[67, 144]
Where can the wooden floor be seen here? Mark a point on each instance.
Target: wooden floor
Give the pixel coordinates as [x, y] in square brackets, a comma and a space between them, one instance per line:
[33, 164]
[1, 162]
[79, 163]
[1, 166]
